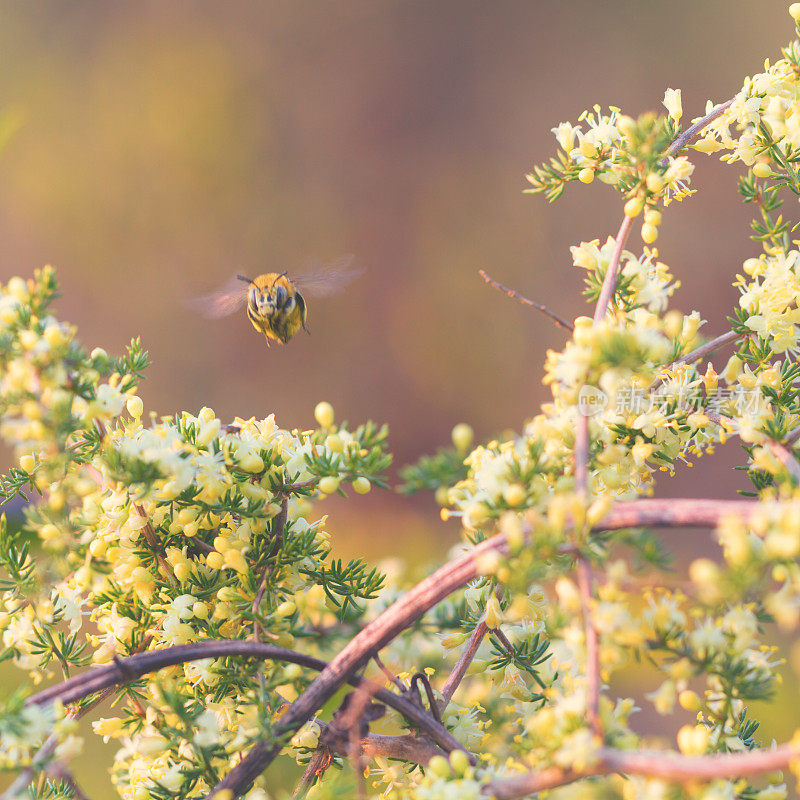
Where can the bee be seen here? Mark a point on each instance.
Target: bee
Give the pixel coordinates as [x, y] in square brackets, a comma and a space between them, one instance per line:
[276, 303]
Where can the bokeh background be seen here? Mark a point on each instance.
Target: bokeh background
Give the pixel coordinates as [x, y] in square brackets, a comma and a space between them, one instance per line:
[167, 145]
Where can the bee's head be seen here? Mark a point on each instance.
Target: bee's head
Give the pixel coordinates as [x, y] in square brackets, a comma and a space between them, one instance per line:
[278, 298]
[265, 301]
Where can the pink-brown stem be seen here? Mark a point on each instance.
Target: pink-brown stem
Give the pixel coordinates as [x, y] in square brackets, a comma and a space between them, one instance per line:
[462, 665]
[665, 765]
[610, 279]
[560, 321]
[683, 139]
[584, 573]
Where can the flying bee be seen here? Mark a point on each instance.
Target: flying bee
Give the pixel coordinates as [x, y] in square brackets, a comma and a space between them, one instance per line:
[276, 303]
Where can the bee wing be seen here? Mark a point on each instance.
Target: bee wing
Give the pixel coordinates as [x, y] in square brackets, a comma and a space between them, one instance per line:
[318, 279]
[230, 297]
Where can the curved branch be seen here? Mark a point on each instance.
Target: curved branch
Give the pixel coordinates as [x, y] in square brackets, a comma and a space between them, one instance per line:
[125, 670]
[431, 591]
[666, 765]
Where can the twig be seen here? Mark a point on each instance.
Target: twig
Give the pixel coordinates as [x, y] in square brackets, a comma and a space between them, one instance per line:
[560, 321]
[584, 573]
[707, 348]
[318, 765]
[606, 293]
[696, 354]
[787, 459]
[684, 138]
[535, 782]
[503, 639]
[388, 673]
[421, 678]
[610, 279]
[353, 720]
[428, 593]
[462, 665]
[792, 436]
[278, 528]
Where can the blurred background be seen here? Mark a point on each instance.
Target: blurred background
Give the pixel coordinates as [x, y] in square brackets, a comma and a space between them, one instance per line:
[166, 146]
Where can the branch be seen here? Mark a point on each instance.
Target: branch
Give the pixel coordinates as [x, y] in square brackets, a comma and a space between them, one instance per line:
[610, 279]
[584, 571]
[560, 321]
[462, 665]
[666, 765]
[125, 670]
[683, 139]
[707, 348]
[279, 526]
[431, 591]
[534, 782]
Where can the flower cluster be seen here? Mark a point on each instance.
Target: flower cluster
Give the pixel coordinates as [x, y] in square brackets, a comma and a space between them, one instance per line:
[161, 533]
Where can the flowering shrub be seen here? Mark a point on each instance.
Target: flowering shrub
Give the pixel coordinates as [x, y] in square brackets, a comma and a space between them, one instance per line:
[176, 564]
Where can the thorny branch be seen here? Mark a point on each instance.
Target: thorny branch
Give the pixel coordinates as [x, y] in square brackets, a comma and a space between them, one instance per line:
[278, 527]
[464, 660]
[560, 321]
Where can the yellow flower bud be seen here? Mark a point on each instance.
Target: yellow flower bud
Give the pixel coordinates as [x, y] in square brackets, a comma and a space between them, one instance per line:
[250, 462]
[634, 207]
[794, 11]
[462, 436]
[334, 443]
[215, 560]
[514, 494]
[48, 532]
[494, 614]
[652, 216]
[324, 415]
[654, 182]
[135, 406]
[762, 169]
[673, 323]
[459, 761]
[689, 700]
[98, 548]
[771, 377]
[453, 640]
[361, 485]
[732, 369]
[475, 513]
[649, 233]
[285, 609]
[200, 610]
[27, 462]
[328, 484]
[440, 767]
[586, 175]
